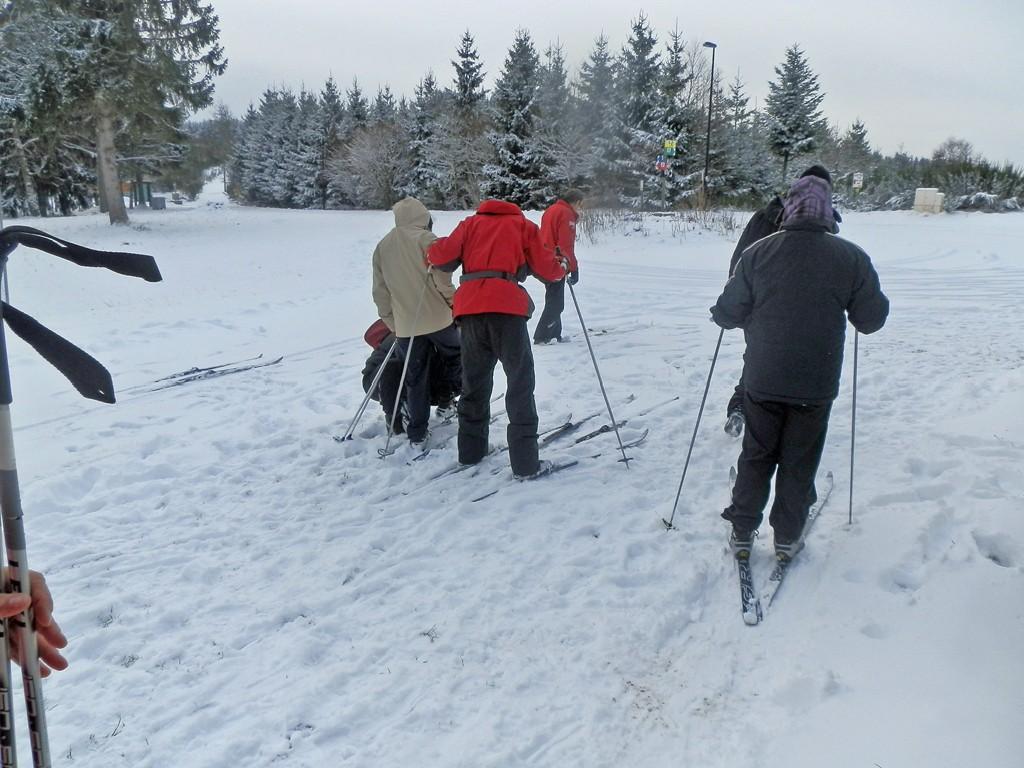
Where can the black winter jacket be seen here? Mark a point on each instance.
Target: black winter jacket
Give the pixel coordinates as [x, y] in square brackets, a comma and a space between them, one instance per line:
[763, 223]
[792, 293]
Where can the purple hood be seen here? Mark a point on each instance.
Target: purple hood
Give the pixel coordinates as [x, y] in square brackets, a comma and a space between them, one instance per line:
[810, 201]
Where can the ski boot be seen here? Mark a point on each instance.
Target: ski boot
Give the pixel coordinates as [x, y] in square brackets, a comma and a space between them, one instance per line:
[785, 551]
[544, 467]
[447, 411]
[741, 542]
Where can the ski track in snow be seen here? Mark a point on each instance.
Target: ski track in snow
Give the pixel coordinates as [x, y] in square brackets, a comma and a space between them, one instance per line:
[240, 589]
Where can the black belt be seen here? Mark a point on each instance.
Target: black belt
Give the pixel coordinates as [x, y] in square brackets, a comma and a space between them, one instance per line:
[486, 273]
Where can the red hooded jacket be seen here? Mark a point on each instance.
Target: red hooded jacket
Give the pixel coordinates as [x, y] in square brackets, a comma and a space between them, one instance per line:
[558, 228]
[497, 238]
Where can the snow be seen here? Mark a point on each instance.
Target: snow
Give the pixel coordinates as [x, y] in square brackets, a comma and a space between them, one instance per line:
[239, 589]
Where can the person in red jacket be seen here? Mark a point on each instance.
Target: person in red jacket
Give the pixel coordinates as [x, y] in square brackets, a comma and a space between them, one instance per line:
[497, 248]
[558, 231]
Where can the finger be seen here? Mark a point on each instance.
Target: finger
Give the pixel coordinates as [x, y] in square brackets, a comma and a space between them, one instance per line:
[12, 604]
[42, 600]
[53, 635]
[49, 656]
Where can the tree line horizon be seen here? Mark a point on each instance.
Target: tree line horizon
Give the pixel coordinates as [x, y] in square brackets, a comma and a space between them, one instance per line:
[628, 128]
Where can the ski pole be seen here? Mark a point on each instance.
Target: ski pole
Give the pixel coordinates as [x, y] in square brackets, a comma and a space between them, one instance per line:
[604, 393]
[17, 581]
[853, 424]
[8, 751]
[93, 381]
[693, 439]
[405, 366]
[369, 393]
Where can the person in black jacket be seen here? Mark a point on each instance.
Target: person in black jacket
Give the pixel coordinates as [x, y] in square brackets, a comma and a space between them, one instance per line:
[764, 222]
[443, 377]
[792, 293]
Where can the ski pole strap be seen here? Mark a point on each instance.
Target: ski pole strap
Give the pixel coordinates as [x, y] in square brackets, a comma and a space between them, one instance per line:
[130, 264]
[486, 273]
[85, 373]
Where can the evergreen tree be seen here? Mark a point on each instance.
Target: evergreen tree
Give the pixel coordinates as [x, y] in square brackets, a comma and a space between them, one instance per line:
[743, 170]
[332, 113]
[139, 66]
[603, 130]
[307, 141]
[856, 148]
[41, 153]
[270, 184]
[640, 75]
[463, 131]
[279, 180]
[554, 99]
[792, 109]
[429, 176]
[558, 144]
[678, 120]
[469, 74]
[514, 175]
[355, 119]
[242, 166]
[384, 108]
[357, 111]
[640, 103]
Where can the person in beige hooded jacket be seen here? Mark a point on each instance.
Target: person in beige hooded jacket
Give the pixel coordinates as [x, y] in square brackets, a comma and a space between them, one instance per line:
[417, 306]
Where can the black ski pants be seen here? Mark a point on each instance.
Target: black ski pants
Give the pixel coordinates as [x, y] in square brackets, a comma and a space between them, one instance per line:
[550, 324]
[447, 353]
[786, 440]
[389, 381]
[486, 340]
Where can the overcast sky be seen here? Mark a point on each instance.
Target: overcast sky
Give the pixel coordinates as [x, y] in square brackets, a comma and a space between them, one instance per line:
[915, 71]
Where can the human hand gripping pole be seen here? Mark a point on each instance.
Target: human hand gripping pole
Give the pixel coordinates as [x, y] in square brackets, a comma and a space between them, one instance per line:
[30, 619]
[604, 393]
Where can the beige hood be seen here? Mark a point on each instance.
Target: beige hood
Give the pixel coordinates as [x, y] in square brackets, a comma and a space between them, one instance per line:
[399, 274]
[410, 212]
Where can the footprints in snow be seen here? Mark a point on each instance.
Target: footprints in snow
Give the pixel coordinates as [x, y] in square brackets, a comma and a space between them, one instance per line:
[945, 543]
[998, 548]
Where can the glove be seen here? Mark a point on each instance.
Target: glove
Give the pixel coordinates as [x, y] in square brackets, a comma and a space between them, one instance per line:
[561, 258]
[574, 276]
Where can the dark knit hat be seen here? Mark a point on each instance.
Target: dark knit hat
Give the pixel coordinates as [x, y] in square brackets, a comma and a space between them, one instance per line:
[573, 196]
[820, 171]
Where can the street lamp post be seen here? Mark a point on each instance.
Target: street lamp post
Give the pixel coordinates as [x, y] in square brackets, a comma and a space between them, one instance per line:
[707, 142]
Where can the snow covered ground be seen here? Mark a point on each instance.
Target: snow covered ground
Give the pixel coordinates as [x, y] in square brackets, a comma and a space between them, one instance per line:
[239, 589]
